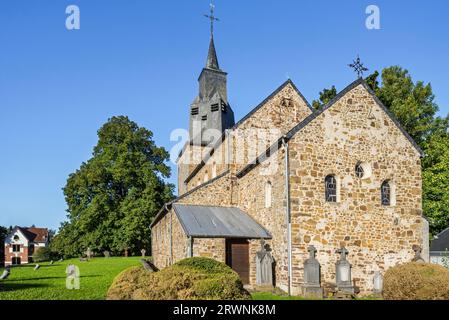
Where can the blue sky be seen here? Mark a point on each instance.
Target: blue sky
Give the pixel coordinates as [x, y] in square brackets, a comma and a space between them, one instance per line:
[142, 58]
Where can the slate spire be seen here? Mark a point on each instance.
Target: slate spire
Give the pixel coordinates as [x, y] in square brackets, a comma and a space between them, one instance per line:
[212, 60]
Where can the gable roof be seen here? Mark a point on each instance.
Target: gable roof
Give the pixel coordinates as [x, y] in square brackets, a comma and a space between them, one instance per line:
[441, 241]
[218, 222]
[32, 234]
[314, 115]
[241, 121]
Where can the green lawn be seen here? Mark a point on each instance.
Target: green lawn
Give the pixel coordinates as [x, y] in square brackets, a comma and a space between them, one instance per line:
[272, 296]
[49, 282]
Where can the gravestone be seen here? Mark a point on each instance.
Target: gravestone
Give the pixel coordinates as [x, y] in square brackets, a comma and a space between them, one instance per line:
[6, 273]
[144, 252]
[71, 270]
[51, 262]
[343, 273]
[61, 260]
[107, 254]
[417, 258]
[37, 267]
[378, 282]
[312, 275]
[264, 266]
[147, 265]
[89, 254]
[84, 259]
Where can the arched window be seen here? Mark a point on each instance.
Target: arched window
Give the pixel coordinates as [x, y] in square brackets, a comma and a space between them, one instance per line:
[16, 238]
[268, 194]
[385, 193]
[330, 183]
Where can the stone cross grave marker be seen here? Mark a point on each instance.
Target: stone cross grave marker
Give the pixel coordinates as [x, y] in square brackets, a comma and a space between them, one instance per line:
[144, 252]
[312, 276]
[264, 265]
[343, 272]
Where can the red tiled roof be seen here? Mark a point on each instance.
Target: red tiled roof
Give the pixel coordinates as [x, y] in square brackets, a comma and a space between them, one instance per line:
[36, 234]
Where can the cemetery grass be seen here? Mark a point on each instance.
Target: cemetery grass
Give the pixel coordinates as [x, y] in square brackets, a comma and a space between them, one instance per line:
[261, 296]
[49, 282]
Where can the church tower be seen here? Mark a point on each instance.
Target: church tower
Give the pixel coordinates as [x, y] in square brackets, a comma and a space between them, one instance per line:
[210, 113]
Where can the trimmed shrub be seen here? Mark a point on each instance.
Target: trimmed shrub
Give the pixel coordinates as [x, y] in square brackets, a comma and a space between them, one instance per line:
[416, 281]
[189, 279]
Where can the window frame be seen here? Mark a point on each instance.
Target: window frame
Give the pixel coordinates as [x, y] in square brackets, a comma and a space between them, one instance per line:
[331, 197]
[384, 192]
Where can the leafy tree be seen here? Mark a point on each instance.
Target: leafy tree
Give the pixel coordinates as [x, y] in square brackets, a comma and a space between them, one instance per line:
[325, 97]
[372, 82]
[3, 233]
[42, 254]
[411, 103]
[435, 183]
[114, 196]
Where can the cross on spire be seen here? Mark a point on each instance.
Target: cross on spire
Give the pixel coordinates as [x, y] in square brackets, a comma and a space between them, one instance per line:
[212, 18]
[358, 67]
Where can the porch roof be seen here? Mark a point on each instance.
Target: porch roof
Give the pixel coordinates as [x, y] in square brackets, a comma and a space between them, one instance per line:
[218, 222]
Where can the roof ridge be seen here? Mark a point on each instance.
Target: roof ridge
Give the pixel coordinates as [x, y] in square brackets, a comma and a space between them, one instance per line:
[314, 115]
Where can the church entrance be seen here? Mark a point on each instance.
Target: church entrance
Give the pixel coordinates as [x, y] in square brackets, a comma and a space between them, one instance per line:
[237, 257]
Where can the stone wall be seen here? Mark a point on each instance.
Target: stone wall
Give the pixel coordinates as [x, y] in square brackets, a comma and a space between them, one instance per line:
[189, 159]
[217, 192]
[210, 248]
[252, 201]
[377, 236]
[168, 247]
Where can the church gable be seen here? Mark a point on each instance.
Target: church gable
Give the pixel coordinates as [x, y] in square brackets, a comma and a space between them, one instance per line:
[283, 109]
[356, 117]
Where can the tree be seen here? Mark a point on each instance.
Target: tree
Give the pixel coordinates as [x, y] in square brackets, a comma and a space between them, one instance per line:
[42, 254]
[411, 103]
[325, 97]
[3, 233]
[113, 197]
[435, 183]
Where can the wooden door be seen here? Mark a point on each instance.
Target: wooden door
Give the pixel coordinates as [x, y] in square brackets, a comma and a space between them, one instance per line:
[237, 257]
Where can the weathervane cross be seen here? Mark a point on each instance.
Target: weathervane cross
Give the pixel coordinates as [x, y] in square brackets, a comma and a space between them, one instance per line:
[212, 18]
[358, 67]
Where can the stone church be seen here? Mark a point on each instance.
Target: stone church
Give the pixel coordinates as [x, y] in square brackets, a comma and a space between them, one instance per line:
[345, 176]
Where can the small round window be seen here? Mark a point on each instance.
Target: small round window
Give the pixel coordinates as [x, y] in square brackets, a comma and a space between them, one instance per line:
[359, 171]
[363, 170]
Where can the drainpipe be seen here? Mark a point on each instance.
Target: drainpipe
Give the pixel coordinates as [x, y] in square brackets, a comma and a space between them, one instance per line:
[288, 213]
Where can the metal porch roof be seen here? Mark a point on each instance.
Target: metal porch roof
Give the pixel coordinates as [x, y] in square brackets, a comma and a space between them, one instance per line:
[218, 222]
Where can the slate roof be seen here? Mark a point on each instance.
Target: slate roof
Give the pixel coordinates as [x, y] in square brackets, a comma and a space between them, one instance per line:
[441, 241]
[218, 222]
